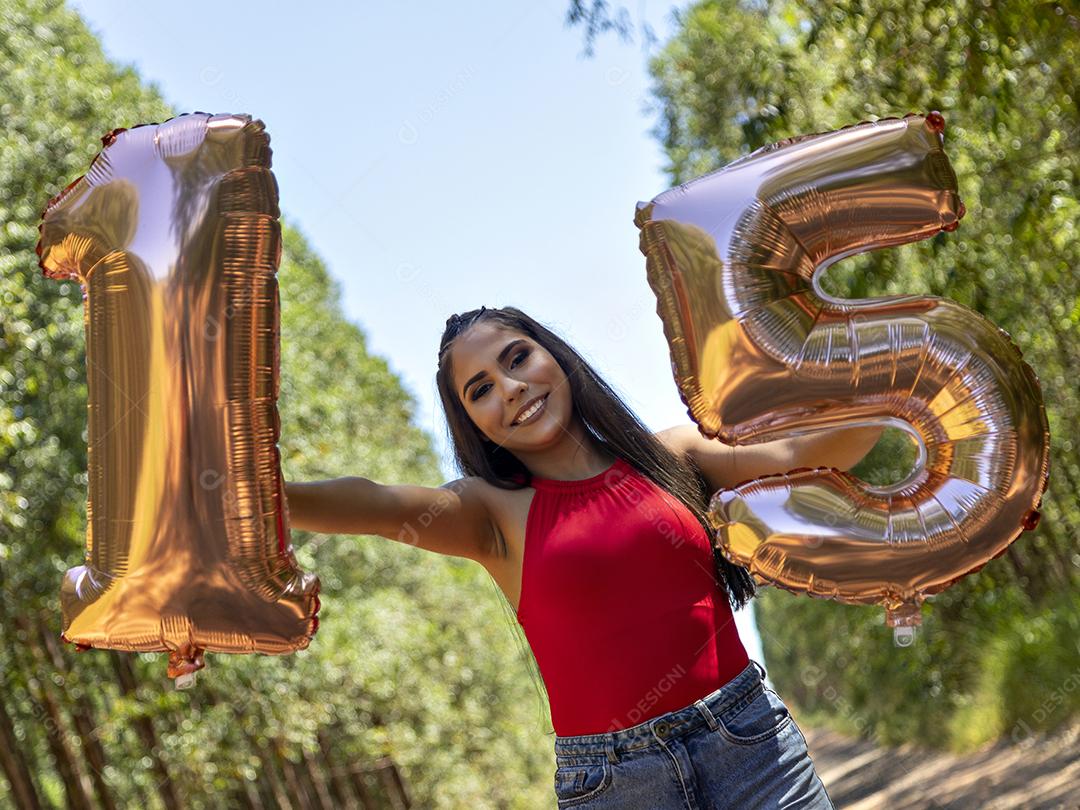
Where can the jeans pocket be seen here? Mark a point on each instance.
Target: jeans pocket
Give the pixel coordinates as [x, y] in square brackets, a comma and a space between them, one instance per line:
[761, 718]
[579, 778]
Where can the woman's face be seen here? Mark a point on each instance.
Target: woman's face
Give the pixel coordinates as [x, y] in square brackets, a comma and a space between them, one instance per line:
[497, 372]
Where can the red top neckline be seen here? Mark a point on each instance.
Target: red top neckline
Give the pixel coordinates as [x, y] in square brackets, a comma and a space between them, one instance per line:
[577, 483]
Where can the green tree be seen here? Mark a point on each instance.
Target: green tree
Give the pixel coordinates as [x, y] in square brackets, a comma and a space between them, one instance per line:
[412, 669]
[1000, 646]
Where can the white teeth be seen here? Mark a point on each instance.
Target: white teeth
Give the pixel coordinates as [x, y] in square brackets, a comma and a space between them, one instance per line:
[531, 411]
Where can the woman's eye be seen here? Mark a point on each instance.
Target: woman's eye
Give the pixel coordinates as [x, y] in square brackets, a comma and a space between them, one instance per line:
[482, 389]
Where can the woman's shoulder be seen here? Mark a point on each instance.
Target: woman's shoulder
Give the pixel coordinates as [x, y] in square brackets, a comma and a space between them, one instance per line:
[507, 506]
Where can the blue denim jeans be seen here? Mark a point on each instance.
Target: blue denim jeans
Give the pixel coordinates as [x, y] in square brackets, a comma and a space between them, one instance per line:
[738, 747]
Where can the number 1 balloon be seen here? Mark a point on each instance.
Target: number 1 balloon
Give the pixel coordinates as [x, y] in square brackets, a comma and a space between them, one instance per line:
[760, 352]
[173, 235]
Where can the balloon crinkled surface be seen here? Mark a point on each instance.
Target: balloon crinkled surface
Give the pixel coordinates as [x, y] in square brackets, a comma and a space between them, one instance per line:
[759, 352]
[173, 235]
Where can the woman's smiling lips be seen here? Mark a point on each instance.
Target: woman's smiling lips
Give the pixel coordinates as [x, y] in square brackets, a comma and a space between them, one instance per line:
[542, 404]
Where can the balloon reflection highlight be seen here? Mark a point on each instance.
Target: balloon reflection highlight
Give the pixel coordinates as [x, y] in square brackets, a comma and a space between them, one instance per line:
[173, 235]
[760, 352]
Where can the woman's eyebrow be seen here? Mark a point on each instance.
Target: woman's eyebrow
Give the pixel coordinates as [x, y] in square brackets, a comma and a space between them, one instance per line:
[502, 355]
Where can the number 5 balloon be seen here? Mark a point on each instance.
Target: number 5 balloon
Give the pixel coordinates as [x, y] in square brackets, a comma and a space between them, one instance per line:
[174, 237]
[760, 352]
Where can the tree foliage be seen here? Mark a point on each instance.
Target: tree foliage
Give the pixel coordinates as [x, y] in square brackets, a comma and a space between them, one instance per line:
[998, 653]
[412, 675]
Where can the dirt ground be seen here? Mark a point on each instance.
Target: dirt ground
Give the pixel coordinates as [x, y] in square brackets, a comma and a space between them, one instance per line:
[1037, 773]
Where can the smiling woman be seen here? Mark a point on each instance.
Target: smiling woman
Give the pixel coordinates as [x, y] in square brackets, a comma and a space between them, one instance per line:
[603, 524]
[567, 497]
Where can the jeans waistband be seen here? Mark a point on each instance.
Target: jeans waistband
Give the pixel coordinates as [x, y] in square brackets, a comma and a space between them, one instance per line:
[739, 691]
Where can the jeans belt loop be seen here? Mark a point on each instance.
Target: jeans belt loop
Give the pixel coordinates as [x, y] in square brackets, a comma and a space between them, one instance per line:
[760, 669]
[609, 749]
[706, 712]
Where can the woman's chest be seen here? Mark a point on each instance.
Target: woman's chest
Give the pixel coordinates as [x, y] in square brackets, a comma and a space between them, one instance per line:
[594, 546]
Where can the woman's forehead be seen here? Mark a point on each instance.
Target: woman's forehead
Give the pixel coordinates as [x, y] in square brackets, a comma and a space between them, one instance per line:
[477, 347]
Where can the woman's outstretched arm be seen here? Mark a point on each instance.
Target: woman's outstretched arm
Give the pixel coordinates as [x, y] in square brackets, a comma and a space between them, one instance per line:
[841, 447]
[454, 519]
[724, 466]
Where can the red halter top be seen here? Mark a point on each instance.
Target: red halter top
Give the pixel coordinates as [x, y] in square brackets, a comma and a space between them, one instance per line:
[620, 603]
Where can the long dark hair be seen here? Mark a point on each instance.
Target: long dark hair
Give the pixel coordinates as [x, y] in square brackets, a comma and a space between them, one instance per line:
[607, 419]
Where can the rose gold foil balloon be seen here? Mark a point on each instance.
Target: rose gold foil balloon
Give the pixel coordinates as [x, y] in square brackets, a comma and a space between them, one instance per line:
[760, 352]
[173, 234]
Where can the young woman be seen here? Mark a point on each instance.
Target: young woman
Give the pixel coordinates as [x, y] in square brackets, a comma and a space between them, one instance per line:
[596, 532]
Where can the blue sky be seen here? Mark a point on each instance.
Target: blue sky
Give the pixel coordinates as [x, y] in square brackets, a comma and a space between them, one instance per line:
[439, 157]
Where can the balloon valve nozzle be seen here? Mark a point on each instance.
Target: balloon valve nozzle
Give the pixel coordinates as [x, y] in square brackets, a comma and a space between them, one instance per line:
[903, 636]
[903, 619]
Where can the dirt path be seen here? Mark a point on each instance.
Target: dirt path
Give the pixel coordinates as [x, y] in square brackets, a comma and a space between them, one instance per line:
[1038, 773]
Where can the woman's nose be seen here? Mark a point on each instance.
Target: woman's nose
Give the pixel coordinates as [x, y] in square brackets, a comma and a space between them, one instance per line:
[515, 389]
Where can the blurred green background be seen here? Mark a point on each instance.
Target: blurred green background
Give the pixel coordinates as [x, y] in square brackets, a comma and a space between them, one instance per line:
[998, 656]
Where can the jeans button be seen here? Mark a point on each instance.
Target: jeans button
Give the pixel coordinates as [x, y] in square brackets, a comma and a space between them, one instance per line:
[662, 729]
